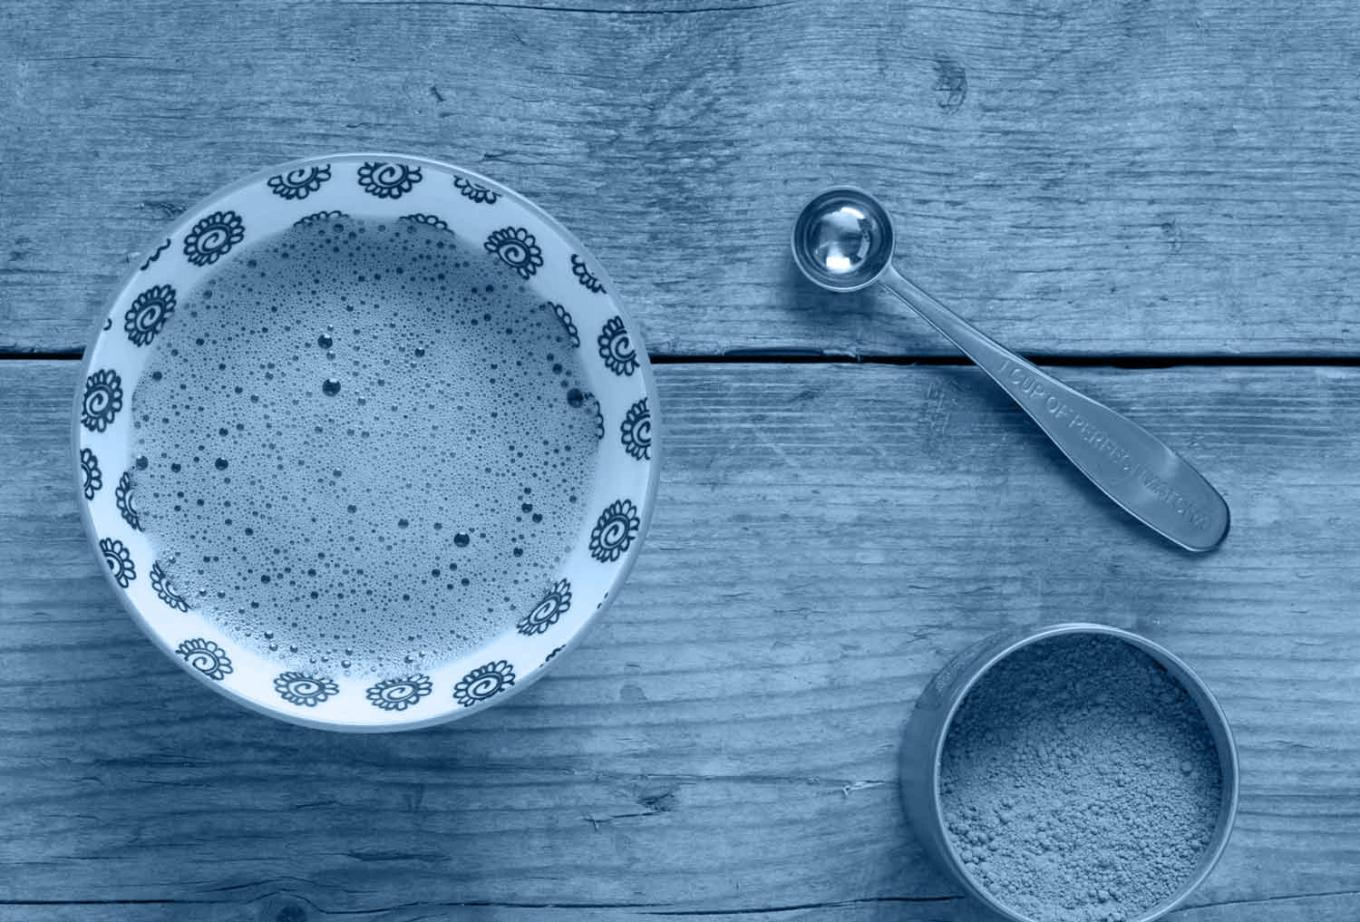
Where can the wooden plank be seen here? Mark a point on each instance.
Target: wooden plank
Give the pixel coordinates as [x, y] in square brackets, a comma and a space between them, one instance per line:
[288, 908]
[827, 537]
[1079, 178]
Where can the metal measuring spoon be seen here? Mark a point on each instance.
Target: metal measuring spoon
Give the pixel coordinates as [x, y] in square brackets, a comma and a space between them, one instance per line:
[843, 241]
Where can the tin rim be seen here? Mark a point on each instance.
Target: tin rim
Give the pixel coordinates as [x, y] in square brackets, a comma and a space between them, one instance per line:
[1214, 718]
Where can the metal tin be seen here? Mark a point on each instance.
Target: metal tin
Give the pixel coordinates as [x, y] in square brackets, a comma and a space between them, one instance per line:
[928, 727]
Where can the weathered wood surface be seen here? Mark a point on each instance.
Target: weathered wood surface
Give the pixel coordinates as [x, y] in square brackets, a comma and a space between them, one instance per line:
[1079, 177]
[1106, 179]
[725, 743]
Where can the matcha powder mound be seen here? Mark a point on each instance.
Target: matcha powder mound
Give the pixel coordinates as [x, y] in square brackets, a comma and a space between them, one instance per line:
[1080, 782]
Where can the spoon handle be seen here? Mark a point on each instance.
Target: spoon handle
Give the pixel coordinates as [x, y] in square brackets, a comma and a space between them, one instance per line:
[1129, 464]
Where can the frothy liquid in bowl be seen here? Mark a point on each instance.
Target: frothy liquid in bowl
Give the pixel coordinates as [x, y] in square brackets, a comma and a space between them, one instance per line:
[363, 443]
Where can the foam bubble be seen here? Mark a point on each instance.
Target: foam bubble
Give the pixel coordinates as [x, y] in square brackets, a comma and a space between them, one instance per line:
[356, 443]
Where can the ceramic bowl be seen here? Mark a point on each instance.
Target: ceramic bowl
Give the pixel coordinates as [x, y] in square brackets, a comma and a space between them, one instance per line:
[553, 264]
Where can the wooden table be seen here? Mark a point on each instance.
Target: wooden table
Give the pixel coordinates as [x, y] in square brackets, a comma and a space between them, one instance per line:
[1162, 198]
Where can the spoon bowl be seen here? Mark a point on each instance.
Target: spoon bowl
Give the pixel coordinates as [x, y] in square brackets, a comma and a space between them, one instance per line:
[843, 240]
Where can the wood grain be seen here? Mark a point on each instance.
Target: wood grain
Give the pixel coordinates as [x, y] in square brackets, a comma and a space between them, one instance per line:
[725, 743]
[1078, 177]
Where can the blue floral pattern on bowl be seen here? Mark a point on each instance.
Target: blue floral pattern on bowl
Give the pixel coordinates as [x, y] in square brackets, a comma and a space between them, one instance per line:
[610, 382]
[207, 657]
[400, 693]
[598, 412]
[564, 317]
[156, 254]
[91, 479]
[517, 248]
[431, 219]
[318, 216]
[303, 689]
[148, 313]
[475, 191]
[102, 401]
[213, 237]
[554, 604]
[616, 347]
[300, 183]
[119, 561]
[636, 431]
[614, 531]
[165, 590]
[483, 683]
[388, 180]
[123, 499]
[584, 276]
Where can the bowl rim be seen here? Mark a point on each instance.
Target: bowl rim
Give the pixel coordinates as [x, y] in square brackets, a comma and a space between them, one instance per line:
[1215, 720]
[646, 505]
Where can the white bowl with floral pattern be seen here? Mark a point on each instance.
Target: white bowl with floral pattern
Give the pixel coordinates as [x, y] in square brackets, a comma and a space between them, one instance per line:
[554, 265]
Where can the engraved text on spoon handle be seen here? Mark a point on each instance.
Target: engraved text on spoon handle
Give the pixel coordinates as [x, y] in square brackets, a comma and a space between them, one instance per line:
[1129, 464]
